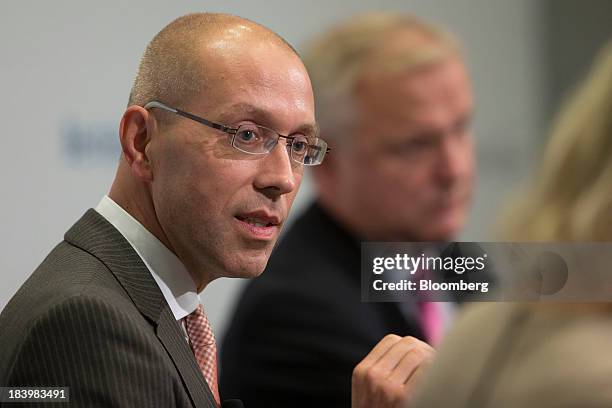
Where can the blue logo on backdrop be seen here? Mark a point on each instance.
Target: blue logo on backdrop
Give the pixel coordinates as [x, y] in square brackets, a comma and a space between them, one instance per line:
[87, 143]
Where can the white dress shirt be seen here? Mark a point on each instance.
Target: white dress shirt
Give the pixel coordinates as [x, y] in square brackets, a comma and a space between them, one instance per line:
[173, 279]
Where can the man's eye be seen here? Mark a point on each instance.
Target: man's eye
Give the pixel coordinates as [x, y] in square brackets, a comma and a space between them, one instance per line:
[418, 144]
[299, 146]
[247, 135]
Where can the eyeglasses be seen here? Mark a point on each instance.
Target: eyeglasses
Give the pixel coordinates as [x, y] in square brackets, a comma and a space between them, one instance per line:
[254, 139]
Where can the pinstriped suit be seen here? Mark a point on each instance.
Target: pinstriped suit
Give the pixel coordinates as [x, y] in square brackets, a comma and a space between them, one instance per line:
[92, 318]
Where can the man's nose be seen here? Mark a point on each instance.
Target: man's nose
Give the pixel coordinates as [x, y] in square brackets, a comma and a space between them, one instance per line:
[455, 157]
[277, 173]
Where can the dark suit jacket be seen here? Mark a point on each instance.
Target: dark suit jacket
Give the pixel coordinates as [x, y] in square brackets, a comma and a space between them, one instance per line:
[92, 318]
[300, 328]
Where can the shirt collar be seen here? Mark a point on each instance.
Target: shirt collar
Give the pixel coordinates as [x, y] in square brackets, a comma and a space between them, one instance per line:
[173, 279]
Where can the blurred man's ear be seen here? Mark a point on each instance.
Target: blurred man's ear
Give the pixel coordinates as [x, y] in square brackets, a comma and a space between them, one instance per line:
[134, 135]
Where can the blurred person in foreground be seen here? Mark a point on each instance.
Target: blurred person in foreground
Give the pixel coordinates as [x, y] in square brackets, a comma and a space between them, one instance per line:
[544, 355]
[219, 126]
[394, 99]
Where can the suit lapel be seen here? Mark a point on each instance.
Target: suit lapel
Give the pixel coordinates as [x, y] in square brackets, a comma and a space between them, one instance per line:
[94, 234]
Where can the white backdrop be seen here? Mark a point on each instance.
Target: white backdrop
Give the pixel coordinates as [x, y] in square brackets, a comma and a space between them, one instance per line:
[67, 68]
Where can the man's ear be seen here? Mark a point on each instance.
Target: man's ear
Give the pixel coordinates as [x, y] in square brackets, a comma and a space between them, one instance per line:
[135, 135]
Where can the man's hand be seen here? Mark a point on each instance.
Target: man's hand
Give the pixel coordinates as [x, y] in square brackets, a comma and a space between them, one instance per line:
[386, 377]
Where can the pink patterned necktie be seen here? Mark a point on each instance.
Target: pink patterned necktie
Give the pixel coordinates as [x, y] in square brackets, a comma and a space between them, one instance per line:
[431, 320]
[202, 341]
[431, 317]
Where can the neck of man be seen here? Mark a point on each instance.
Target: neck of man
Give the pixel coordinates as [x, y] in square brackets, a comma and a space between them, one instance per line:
[363, 229]
[135, 198]
[338, 213]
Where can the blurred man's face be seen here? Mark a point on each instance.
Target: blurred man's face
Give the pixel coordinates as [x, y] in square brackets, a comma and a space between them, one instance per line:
[220, 208]
[409, 174]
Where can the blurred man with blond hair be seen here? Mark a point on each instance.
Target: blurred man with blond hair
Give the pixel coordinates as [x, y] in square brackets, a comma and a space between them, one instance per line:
[394, 100]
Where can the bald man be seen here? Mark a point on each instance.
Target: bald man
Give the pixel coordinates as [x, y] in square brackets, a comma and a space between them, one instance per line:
[218, 129]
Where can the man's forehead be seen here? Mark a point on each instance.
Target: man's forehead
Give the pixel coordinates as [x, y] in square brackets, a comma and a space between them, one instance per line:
[251, 74]
[432, 83]
[265, 117]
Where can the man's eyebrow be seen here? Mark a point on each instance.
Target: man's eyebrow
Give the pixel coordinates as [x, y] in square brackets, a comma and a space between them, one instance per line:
[308, 129]
[262, 118]
[243, 108]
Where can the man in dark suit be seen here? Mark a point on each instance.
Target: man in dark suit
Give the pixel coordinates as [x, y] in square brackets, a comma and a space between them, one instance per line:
[393, 97]
[113, 312]
[219, 126]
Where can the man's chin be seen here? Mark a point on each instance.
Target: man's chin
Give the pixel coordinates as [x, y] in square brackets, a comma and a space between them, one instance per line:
[247, 274]
[446, 231]
[247, 268]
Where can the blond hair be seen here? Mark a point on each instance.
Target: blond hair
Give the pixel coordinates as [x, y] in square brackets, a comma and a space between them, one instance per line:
[571, 196]
[340, 57]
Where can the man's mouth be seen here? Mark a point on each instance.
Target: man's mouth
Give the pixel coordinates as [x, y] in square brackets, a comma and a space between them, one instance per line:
[259, 224]
[259, 219]
[255, 222]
